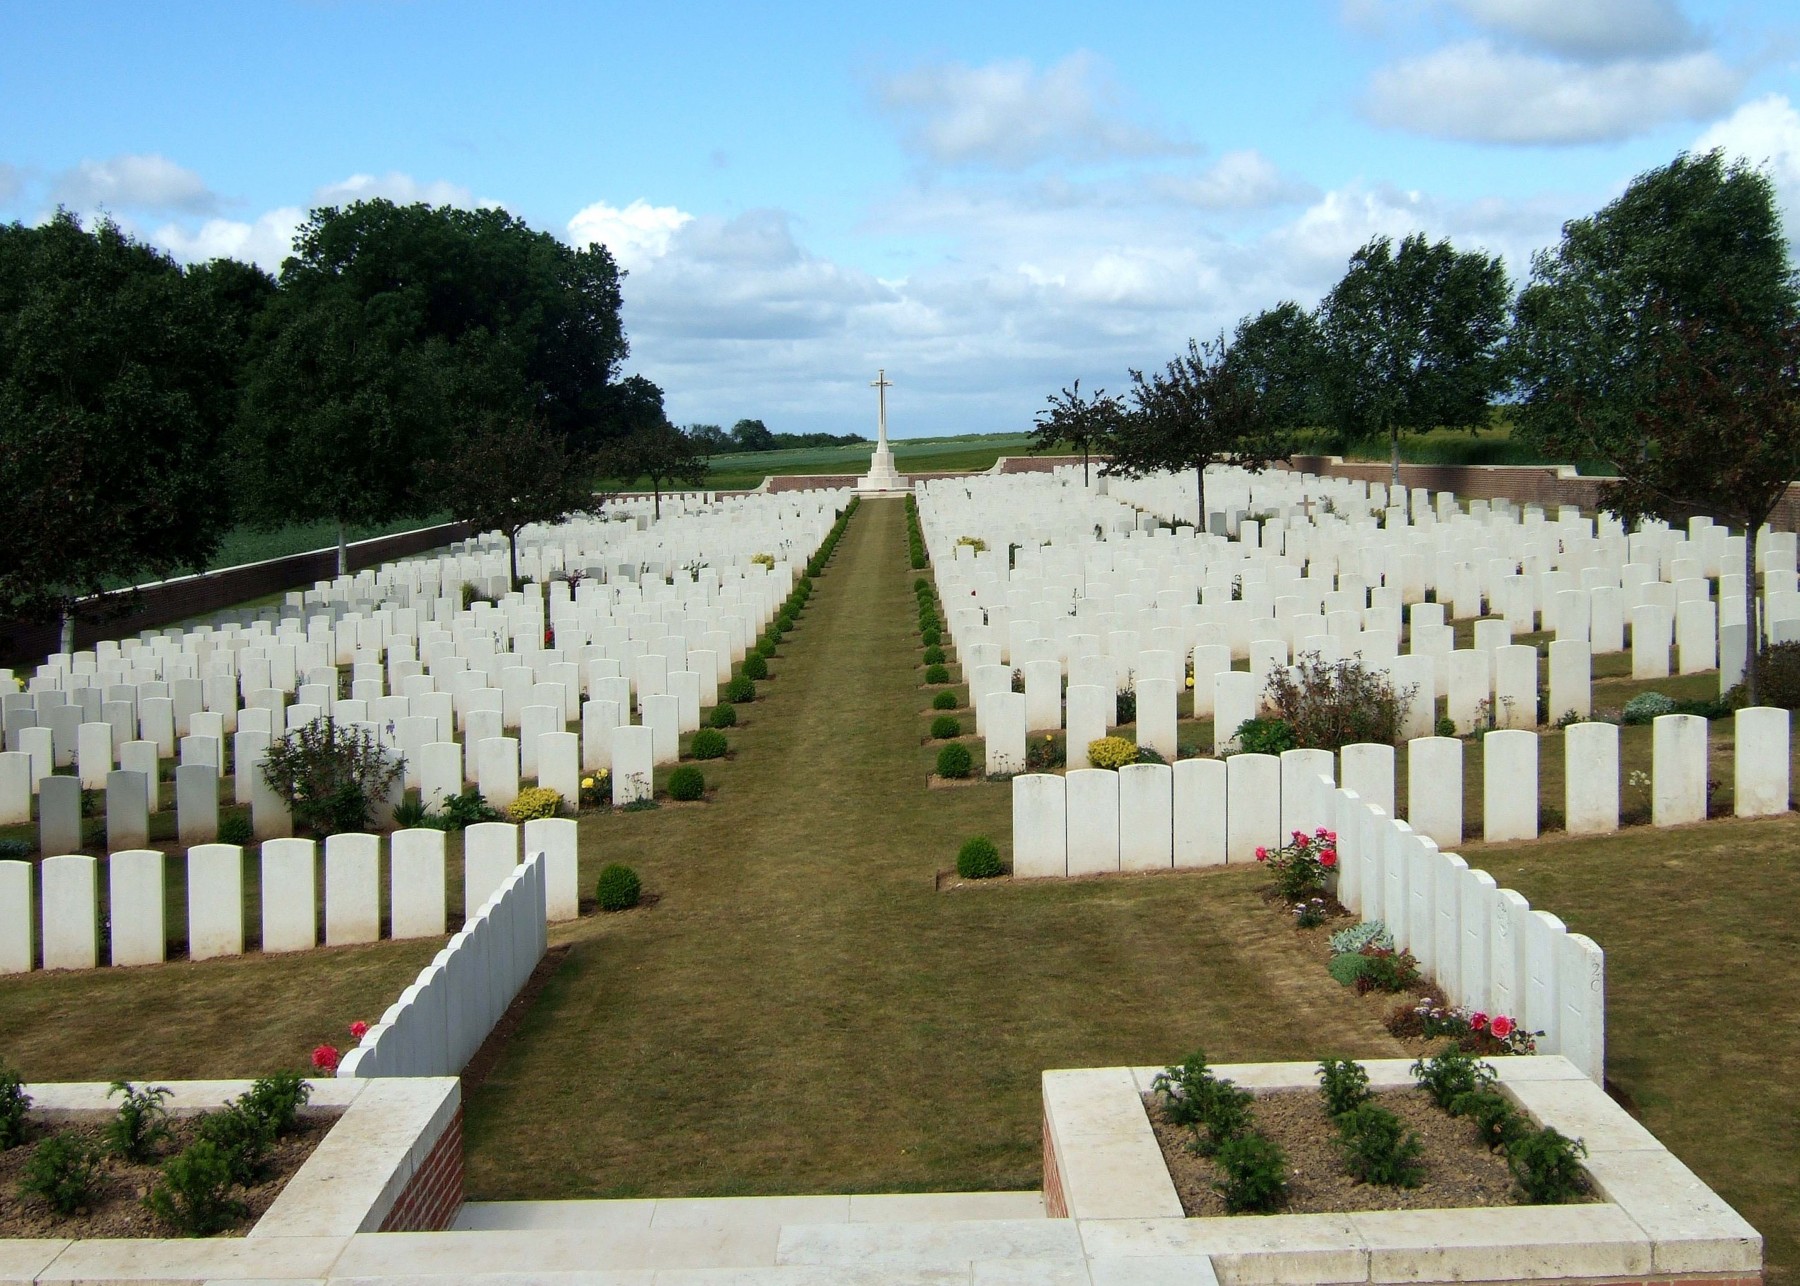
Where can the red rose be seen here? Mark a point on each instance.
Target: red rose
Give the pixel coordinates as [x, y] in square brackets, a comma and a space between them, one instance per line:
[325, 1058]
[1328, 857]
[1477, 1021]
[1262, 854]
[1501, 1026]
[359, 1029]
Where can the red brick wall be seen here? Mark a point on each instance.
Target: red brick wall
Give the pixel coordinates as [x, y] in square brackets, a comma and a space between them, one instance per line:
[435, 1192]
[1056, 1205]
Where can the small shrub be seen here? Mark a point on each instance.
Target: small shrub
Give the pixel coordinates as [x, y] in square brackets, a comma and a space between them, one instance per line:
[1264, 736]
[14, 1104]
[1300, 866]
[946, 726]
[740, 690]
[1645, 707]
[921, 585]
[755, 667]
[955, 761]
[1332, 704]
[1311, 913]
[931, 637]
[937, 674]
[330, 774]
[596, 790]
[708, 743]
[687, 783]
[934, 656]
[277, 1100]
[1255, 1173]
[235, 828]
[1370, 933]
[618, 889]
[724, 715]
[1213, 1110]
[1111, 752]
[243, 1138]
[193, 1195]
[1547, 1166]
[1778, 676]
[141, 1124]
[945, 700]
[460, 811]
[1450, 1075]
[1343, 1084]
[1497, 1123]
[1043, 755]
[1145, 755]
[1124, 709]
[62, 1173]
[410, 813]
[1347, 967]
[12, 850]
[978, 859]
[1445, 726]
[534, 802]
[1378, 1148]
[1387, 970]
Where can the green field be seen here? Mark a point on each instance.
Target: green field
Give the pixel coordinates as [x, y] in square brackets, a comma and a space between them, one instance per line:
[919, 455]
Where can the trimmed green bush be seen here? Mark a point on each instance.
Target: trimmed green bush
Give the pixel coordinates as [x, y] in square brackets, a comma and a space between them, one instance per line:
[724, 715]
[755, 667]
[954, 760]
[931, 638]
[193, 1195]
[708, 743]
[945, 700]
[740, 690]
[618, 889]
[937, 674]
[934, 655]
[946, 726]
[978, 859]
[687, 783]
[236, 829]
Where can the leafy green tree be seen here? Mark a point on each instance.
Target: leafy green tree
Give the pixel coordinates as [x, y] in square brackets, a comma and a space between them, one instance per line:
[116, 373]
[1279, 351]
[506, 474]
[1413, 339]
[711, 438]
[659, 453]
[1196, 412]
[752, 435]
[395, 323]
[1085, 423]
[1695, 244]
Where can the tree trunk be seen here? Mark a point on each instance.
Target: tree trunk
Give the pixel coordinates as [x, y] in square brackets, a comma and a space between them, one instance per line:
[1394, 452]
[512, 557]
[1752, 617]
[1200, 486]
[1084, 466]
[656, 492]
[343, 551]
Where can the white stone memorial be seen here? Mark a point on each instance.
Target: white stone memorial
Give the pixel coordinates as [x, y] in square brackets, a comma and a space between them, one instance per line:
[135, 902]
[1040, 826]
[1146, 816]
[1200, 787]
[1093, 820]
[215, 901]
[352, 888]
[290, 895]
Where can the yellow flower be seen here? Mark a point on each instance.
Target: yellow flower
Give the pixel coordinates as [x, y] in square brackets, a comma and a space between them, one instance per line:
[587, 783]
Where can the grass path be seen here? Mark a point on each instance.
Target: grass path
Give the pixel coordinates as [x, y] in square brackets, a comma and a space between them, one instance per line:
[800, 1010]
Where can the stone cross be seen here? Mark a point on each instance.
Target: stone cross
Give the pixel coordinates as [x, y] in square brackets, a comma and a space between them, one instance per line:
[881, 384]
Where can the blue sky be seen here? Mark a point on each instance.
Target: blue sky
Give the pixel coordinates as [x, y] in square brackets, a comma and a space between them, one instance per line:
[987, 200]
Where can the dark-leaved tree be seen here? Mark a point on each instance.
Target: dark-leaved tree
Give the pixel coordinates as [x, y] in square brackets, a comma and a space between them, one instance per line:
[116, 376]
[660, 454]
[1196, 412]
[1413, 339]
[1085, 423]
[1279, 352]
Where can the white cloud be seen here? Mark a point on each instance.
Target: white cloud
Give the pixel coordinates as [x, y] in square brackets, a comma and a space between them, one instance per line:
[147, 182]
[266, 241]
[1588, 29]
[402, 189]
[636, 234]
[1478, 91]
[12, 182]
[1238, 181]
[1008, 114]
[1766, 133]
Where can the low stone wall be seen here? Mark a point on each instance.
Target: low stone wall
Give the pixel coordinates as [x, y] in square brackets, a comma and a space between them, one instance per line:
[434, 1193]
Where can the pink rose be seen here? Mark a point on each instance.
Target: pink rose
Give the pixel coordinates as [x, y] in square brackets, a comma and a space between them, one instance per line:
[1501, 1026]
[359, 1029]
[1328, 857]
[1262, 854]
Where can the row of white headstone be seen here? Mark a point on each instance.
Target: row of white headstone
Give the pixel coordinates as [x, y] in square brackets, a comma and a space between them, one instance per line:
[298, 894]
[1203, 812]
[445, 1014]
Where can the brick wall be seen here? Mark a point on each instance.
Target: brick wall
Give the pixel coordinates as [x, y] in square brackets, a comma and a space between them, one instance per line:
[434, 1194]
[1056, 1204]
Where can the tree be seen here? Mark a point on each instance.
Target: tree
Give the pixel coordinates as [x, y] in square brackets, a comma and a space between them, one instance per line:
[1279, 351]
[752, 435]
[1697, 245]
[661, 453]
[1196, 412]
[116, 375]
[1085, 423]
[506, 474]
[1413, 339]
[710, 438]
[395, 323]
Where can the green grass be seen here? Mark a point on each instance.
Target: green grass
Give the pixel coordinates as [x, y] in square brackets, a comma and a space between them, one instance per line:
[922, 455]
[799, 1009]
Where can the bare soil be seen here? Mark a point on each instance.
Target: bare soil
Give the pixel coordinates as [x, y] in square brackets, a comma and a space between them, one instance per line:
[117, 1207]
[1459, 1170]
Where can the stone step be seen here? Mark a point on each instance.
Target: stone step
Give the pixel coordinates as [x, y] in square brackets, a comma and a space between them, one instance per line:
[678, 1212]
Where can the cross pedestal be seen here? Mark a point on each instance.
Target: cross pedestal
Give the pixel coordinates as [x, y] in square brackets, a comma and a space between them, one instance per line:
[882, 479]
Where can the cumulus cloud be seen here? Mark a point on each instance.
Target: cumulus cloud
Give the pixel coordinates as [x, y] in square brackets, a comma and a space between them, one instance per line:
[1244, 180]
[402, 189]
[264, 241]
[1588, 29]
[147, 182]
[1009, 114]
[1765, 133]
[636, 234]
[1478, 91]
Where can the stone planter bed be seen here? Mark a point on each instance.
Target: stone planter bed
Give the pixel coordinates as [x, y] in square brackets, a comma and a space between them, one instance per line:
[1651, 1220]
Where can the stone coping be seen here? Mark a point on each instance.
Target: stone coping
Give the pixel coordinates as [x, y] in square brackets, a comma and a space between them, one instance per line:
[348, 1185]
[1657, 1221]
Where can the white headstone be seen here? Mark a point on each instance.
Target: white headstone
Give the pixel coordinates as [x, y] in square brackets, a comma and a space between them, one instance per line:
[1146, 816]
[71, 927]
[490, 852]
[1253, 805]
[136, 901]
[352, 888]
[290, 895]
[1761, 761]
[1678, 769]
[1509, 798]
[556, 838]
[633, 765]
[1200, 811]
[18, 933]
[1093, 820]
[1591, 778]
[215, 900]
[1434, 789]
[1040, 826]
